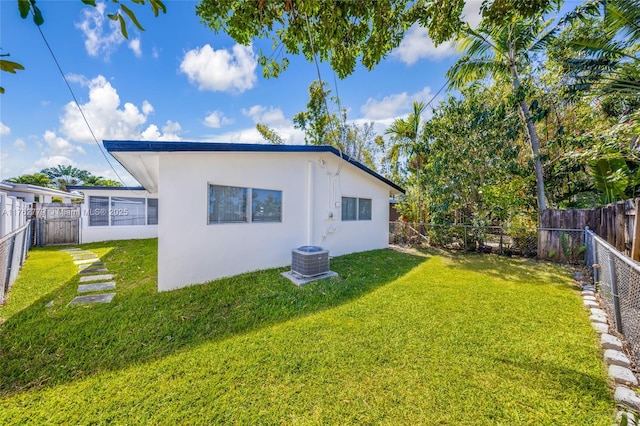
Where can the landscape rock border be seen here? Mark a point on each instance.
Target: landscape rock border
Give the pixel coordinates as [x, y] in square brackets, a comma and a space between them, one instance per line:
[618, 363]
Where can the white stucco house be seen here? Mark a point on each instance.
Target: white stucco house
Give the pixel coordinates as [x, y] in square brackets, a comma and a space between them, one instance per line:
[20, 201]
[117, 213]
[230, 208]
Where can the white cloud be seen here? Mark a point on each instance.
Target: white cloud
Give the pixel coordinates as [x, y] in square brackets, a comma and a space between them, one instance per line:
[155, 52]
[53, 161]
[102, 35]
[169, 132]
[270, 116]
[20, 145]
[393, 106]
[418, 45]
[134, 45]
[221, 70]
[216, 120]
[60, 146]
[4, 129]
[103, 112]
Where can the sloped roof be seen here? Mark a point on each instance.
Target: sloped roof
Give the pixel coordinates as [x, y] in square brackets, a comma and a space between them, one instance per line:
[152, 146]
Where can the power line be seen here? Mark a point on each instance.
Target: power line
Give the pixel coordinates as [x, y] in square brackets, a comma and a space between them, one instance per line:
[75, 100]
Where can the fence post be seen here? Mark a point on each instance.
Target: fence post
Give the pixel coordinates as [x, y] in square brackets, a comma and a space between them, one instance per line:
[614, 294]
[464, 231]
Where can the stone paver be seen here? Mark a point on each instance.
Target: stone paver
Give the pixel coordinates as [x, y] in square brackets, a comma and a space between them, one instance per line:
[87, 288]
[587, 293]
[626, 396]
[86, 261]
[71, 249]
[598, 318]
[94, 298]
[592, 298]
[622, 375]
[92, 271]
[590, 304]
[630, 418]
[89, 278]
[600, 327]
[589, 288]
[614, 357]
[608, 341]
[92, 265]
[597, 311]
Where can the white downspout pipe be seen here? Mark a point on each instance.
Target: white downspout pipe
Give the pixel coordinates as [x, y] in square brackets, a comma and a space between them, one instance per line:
[309, 203]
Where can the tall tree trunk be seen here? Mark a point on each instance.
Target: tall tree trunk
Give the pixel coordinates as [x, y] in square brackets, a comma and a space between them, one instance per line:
[533, 141]
[535, 148]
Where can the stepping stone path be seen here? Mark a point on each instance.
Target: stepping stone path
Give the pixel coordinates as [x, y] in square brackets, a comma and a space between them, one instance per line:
[91, 269]
[619, 365]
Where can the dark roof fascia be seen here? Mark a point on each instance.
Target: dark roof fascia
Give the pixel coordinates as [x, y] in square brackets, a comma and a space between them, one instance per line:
[146, 146]
[106, 188]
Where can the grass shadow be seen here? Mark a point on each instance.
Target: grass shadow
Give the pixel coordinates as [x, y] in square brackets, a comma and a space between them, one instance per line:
[517, 270]
[45, 346]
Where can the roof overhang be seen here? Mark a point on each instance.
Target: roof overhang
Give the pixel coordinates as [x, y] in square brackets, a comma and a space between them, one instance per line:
[141, 158]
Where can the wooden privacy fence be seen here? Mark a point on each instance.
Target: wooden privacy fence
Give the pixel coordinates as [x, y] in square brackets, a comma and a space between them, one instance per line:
[616, 223]
[57, 224]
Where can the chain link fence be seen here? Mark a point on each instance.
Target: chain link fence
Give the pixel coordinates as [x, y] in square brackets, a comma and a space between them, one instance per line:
[617, 280]
[559, 245]
[13, 252]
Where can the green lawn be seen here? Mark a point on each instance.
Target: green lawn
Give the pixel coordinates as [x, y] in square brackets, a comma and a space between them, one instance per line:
[399, 338]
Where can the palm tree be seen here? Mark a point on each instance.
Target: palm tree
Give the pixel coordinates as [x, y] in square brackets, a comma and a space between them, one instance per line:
[38, 179]
[504, 53]
[406, 140]
[63, 176]
[608, 62]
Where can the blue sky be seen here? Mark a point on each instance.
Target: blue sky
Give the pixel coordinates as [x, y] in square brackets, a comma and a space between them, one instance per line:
[175, 81]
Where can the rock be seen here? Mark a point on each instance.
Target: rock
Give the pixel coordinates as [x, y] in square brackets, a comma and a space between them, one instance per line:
[614, 357]
[589, 288]
[600, 327]
[597, 311]
[590, 304]
[626, 396]
[607, 341]
[592, 298]
[631, 418]
[598, 318]
[622, 375]
[49, 305]
[587, 293]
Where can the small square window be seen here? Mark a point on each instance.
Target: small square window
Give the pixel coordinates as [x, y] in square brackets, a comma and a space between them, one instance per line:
[349, 208]
[227, 204]
[364, 209]
[266, 205]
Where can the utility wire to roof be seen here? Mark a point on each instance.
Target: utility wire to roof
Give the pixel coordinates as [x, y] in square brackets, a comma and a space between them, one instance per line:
[75, 100]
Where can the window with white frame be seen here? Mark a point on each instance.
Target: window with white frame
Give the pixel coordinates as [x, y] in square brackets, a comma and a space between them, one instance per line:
[128, 211]
[122, 211]
[98, 211]
[230, 204]
[356, 208]
[152, 211]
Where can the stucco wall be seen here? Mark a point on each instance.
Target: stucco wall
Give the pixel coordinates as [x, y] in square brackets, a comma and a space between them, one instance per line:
[190, 251]
[89, 234]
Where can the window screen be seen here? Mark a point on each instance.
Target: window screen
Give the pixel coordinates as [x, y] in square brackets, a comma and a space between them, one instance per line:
[364, 209]
[152, 211]
[349, 208]
[127, 211]
[266, 205]
[98, 211]
[227, 204]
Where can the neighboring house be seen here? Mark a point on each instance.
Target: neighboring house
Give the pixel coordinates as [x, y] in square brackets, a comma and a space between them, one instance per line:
[20, 201]
[117, 213]
[231, 208]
